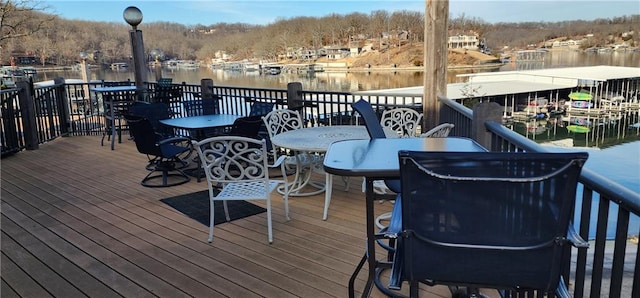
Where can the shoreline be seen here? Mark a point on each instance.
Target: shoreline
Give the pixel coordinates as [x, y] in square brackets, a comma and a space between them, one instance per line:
[409, 68]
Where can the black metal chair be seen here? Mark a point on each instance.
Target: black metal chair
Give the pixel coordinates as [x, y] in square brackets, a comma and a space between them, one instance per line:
[154, 112]
[248, 126]
[165, 92]
[199, 107]
[259, 108]
[488, 220]
[162, 152]
[119, 102]
[375, 130]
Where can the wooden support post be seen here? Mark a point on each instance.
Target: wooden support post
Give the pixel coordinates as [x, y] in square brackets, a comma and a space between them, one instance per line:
[435, 59]
[29, 127]
[482, 112]
[294, 96]
[62, 103]
[206, 89]
[139, 63]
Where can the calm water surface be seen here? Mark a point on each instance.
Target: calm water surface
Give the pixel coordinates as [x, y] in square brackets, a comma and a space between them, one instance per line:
[613, 145]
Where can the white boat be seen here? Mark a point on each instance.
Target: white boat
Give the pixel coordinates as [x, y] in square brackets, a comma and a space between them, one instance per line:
[270, 69]
[119, 66]
[10, 75]
[187, 64]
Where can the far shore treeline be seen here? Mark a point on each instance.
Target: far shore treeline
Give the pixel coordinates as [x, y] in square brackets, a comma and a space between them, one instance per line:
[56, 41]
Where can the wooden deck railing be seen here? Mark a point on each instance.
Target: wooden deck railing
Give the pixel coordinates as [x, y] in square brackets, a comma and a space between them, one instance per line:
[611, 267]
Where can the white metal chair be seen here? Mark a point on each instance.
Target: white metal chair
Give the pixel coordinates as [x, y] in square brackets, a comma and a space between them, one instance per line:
[404, 121]
[278, 121]
[440, 131]
[237, 167]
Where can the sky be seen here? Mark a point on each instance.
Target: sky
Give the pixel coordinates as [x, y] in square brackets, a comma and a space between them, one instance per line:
[264, 12]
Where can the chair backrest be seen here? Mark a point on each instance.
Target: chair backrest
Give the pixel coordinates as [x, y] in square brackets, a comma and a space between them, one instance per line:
[228, 159]
[247, 127]
[489, 219]
[199, 107]
[369, 118]
[165, 91]
[143, 135]
[164, 82]
[375, 130]
[404, 121]
[259, 108]
[278, 121]
[440, 131]
[117, 96]
[154, 112]
[115, 84]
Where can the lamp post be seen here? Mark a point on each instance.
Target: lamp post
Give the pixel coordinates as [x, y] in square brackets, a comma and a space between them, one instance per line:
[133, 16]
[158, 69]
[85, 73]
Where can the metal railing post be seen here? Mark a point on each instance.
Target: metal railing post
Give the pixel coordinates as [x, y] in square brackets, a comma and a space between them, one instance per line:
[62, 102]
[30, 129]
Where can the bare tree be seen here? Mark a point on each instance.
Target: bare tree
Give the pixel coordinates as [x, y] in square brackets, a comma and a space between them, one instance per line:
[19, 19]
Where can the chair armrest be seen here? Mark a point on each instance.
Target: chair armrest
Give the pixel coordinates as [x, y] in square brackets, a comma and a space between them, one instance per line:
[394, 229]
[174, 140]
[278, 161]
[575, 239]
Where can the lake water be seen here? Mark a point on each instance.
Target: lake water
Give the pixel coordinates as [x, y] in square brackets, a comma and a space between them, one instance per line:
[614, 147]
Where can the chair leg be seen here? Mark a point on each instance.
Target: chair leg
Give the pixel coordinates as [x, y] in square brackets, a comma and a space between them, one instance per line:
[347, 183]
[211, 220]
[414, 286]
[283, 169]
[226, 210]
[269, 226]
[327, 195]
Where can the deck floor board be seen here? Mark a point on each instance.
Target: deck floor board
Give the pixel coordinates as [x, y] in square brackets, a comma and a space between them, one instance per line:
[77, 222]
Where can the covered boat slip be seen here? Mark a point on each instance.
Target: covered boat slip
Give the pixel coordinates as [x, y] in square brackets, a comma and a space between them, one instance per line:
[611, 88]
[604, 78]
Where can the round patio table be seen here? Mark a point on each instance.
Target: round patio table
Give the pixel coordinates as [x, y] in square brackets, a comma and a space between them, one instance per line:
[310, 144]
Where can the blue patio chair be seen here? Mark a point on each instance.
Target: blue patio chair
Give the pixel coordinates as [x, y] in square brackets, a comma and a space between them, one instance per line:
[375, 130]
[487, 220]
[207, 106]
[259, 108]
[162, 152]
[154, 112]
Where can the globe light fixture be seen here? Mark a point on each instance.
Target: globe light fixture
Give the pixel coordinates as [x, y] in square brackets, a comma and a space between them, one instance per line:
[133, 16]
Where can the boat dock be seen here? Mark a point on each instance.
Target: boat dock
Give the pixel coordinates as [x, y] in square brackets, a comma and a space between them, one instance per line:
[606, 90]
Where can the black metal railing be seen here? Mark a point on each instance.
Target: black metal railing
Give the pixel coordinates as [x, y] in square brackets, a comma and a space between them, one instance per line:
[11, 136]
[611, 266]
[610, 203]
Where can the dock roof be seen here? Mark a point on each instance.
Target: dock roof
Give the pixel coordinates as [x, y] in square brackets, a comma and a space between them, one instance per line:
[516, 82]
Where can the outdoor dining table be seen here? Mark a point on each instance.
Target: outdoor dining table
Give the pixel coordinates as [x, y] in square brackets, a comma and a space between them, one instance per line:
[112, 115]
[311, 140]
[198, 124]
[377, 159]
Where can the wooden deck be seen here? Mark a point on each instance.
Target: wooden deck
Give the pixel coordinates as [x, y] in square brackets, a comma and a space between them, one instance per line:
[76, 222]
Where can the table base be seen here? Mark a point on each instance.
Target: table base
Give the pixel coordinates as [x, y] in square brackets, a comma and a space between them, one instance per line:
[306, 165]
